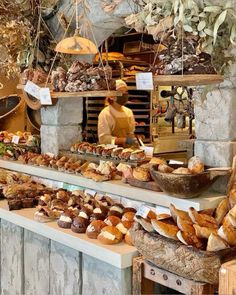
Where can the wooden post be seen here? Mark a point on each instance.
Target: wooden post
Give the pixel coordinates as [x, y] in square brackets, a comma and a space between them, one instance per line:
[227, 278]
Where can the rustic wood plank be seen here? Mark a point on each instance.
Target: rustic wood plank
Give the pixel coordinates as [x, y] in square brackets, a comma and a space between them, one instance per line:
[227, 278]
[102, 278]
[36, 264]
[187, 80]
[11, 259]
[65, 270]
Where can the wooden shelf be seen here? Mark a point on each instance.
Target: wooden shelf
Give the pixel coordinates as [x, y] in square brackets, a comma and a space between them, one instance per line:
[187, 80]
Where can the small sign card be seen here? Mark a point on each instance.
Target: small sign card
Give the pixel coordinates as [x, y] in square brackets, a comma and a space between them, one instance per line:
[143, 211]
[32, 89]
[45, 96]
[15, 139]
[144, 81]
[148, 150]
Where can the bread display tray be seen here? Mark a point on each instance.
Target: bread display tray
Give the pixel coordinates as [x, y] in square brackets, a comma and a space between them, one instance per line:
[173, 256]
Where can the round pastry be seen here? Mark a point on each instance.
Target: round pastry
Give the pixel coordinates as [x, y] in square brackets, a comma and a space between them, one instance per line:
[116, 210]
[94, 229]
[87, 209]
[165, 168]
[128, 239]
[79, 225]
[128, 216]
[63, 195]
[195, 165]
[129, 209]
[125, 154]
[65, 220]
[43, 215]
[110, 235]
[112, 220]
[141, 174]
[83, 214]
[124, 226]
[182, 170]
[97, 216]
[45, 199]
[14, 204]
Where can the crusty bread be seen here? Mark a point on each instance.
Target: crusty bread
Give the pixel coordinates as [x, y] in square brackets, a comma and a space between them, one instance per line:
[221, 211]
[128, 239]
[182, 170]
[176, 212]
[195, 165]
[216, 243]
[203, 220]
[232, 197]
[228, 233]
[165, 168]
[204, 232]
[163, 216]
[164, 229]
[145, 223]
[141, 174]
[185, 225]
[189, 239]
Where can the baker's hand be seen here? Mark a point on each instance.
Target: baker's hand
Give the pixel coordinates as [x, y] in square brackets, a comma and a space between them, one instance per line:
[131, 141]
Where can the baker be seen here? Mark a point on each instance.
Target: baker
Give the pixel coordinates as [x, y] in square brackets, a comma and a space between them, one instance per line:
[116, 123]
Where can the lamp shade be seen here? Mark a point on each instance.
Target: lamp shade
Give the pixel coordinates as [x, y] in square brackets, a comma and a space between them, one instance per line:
[76, 45]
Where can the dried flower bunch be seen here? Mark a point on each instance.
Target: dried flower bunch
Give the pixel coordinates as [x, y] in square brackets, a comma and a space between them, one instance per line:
[211, 23]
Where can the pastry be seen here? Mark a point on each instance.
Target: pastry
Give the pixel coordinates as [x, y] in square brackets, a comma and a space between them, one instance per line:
[202, 219]
[45, 199]
[141, 174]
[116, 152]
[216, 243]
[124, 226]
[232, 197]
[128, 216]
[176, 212]
[128, 238]
[125, 155]
[65, 220]
[44, 214]
[189, 239]
[165, 168]
[110, 235]
[204, 232]
[138, 155]
[221, 211]
[107, 151]
[185, 225]
[27, 203]
[210, 211]
[129, 209]
[116, 210]
[195, 165]
[163, 216]
[94, 229]
[97, 214]
[145, 223]
[157, 161]
[14, 204]
[228, 233]
[182, 170]
[63, 195]
[112, 220]
[164, 229]
[79, 225]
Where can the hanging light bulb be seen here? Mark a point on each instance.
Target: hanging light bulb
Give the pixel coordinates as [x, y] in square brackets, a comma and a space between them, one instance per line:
[76, 44]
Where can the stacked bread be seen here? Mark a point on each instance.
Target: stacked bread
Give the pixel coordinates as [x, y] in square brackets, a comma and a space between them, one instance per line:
[210, 230]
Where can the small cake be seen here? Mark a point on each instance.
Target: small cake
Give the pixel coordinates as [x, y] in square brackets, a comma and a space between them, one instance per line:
[27, 203]
[110, 235]
[94, 229]
[65, 220]
[79, 224]
[98, 214]
[128, 216]
[116, 210]
[125, 154]
[14, 204]
[112, 220]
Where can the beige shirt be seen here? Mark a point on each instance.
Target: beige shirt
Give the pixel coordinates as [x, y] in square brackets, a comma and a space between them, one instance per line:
[106, 123]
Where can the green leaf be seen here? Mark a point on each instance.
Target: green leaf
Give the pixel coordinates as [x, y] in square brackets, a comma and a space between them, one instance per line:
[233, 35]
[201, 25]
[176, 6]
[218, 23]
[187, 28]
[208, 32]
[216, 9]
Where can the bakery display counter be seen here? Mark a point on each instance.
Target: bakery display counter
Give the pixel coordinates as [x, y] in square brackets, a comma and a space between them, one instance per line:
[115, 187]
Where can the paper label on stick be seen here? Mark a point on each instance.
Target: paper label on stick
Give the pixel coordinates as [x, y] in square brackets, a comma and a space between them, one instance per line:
[143, 211]
[45, 96]
[144, 81]
[15, 139]
[32, 89]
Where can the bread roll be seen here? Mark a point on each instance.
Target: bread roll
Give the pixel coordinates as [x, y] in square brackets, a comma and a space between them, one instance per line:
[195, 165]
[110, 235]
[221, 211]
[189, 239]
[165, 168]
[182, 170]
[202, 219]
[157, 161]
[228, 233]
[141, 174]
[112, 220]
[176, 212]
[128, 216]
[204, 232]
[94, 229]
[128, 239]
[216, 243]
[124, 226]
[163, 216]
[185, 225]
[164, 229]
[145, 223]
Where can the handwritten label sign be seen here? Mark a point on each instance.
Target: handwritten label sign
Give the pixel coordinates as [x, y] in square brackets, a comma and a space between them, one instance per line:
[15, 139]
[143, 211]
[144, 81]
[45, 96]
[32, 89]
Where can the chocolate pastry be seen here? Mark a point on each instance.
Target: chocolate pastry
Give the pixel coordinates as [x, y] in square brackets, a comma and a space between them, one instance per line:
[14, 204]
[65, 220]
[79, 225]
[97, 216]
[27, 203]
[63, 195]
[129, 209]
[116, 210]
[58, 205]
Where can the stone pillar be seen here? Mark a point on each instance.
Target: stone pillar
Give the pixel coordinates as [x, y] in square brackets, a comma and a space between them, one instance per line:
[215, 124]
[61, 124]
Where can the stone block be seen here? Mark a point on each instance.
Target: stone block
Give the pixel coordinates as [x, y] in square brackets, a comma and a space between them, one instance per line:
[215, 118]
[102, 278]
[216, 153]
[56, 138]
[67, 111]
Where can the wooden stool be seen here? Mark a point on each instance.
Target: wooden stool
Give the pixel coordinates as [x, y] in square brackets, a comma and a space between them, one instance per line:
[145, 275]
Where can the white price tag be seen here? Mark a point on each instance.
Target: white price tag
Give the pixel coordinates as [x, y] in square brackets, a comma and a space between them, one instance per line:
[32, 89]
[143, 211]
[45, 96]
[15, 139]
[144, 81]
[90, 192]
[148, 150]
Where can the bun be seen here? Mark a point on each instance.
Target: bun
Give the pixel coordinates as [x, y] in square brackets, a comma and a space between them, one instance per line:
[202, 219]
[128, 216]
[124, 226]
[145, 223]
[204, 232]
[189, 239]
[94, 229]
[65, 221]
[185, 225]
[110, 235]
[163, 216]
[128, 239]
[221, 211]
[216, 243]
[112, 220]
[79, 225]
[164, 229]
[141, 174]
[178, 213]
[165, 168]
[157, 161]
[182, 170]
[195, 165]
[129, 209]
[228, 233]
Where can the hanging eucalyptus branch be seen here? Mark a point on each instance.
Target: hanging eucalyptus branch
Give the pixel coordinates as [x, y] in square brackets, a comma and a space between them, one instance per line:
[212, 24]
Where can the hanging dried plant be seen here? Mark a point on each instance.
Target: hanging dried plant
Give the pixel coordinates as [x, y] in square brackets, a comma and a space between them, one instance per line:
[110, 5]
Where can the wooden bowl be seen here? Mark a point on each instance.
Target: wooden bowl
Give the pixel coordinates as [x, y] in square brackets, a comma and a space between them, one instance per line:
[186, 186]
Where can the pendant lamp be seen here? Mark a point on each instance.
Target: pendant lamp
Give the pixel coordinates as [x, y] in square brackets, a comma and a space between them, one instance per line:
[76, 44]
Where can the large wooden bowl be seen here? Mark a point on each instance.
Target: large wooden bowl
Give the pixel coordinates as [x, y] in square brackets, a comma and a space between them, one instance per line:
[186, 186]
